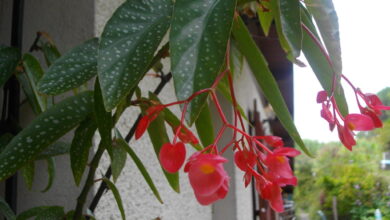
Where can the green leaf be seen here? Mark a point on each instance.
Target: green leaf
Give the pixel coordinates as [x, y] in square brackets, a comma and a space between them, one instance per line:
[158, 136]
[55, 149]
[28, 172]
[265, 79]
[33, 67]
[43, 131]
[122, 143]
[320, 65]
[51, 171]
[265, 17]
[127, 46]
[103, 119]
[198, 40]
[275, 8]
[32, 212]
[117, 196]
[79, 150]
[29, 92]
[50, 52]
[326, 19]
[34, 73]
[4, 140]
[290, 18]
[71, 70]
[9, 58]
[204, 126]
[51, 213]
[118, 160]
[5, 210]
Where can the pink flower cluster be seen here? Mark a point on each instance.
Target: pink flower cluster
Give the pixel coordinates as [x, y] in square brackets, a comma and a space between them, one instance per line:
[368, 118]
[270, 169]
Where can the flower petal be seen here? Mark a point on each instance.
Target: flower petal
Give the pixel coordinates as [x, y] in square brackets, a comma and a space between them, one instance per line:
[359, 122]
[142, 126]
[172, 156]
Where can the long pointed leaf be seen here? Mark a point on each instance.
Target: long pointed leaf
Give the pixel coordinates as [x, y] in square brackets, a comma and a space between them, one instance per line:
[117, 196]
[24, 82]
[290, 18]
[71, 70]
[28, 173]
[198, 40]
[326, 19]
[127, 46]
[79, 150]
[122, 143]
[34, 73]
[103, 119]
[43, 131]
[51, 172]
[118, 160]
[265, 79]
[265, 17]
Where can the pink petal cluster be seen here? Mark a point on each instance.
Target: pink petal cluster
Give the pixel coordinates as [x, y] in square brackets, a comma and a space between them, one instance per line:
[273, 172]
[367, 120]
[207, 176]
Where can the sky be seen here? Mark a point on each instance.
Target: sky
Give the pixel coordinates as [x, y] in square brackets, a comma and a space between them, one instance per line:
[365, 46]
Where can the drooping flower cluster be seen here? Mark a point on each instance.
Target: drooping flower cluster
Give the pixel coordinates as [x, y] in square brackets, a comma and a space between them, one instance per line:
[262, 158]
[368, 118]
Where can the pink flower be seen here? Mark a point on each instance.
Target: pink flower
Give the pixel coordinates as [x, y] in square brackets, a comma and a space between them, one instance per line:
[271, 192]
[353, 122]
[151, 114]
[273, 141]
[172, 156]
[279, 166]
[375, 103]
[185, 135]
[322, 96]
[244, 159]
[346, 137]
[328, 116]
[207, 176]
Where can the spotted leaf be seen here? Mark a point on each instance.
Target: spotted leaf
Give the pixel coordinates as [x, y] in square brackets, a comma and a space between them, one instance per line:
[199, 35]
[71, 70]
[43, 131]
[127, 46]
[9, 58]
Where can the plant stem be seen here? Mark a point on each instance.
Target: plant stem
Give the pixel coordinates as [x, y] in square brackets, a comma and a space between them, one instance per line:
[89, 182]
